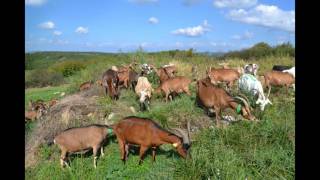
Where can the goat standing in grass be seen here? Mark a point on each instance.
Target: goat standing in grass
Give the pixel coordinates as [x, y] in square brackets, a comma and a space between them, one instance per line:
[216, 98]
[278, 78]
[144, 89]
[82, 139]
[148, 134]
[174, 85]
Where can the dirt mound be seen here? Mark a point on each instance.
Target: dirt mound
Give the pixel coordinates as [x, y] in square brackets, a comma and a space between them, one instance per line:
[72, 111]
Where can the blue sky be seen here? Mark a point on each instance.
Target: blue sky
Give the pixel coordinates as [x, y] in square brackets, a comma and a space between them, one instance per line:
[111, 25]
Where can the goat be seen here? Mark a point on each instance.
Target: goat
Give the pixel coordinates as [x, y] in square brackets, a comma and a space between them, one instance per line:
[127, 76]
[110, 82]
[249, 83]
[176, 85]
[32, 115]
[148, 134]
[280, 67]
[278, 78]
[223, 75]
[143, 89]
[79, 139]
[216, 98]
[164, 73]
[291, 71]
[86, 85]
[251, 69]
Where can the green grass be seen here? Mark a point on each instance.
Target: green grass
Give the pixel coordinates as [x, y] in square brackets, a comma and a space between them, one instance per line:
[252, 150]
[46, 93]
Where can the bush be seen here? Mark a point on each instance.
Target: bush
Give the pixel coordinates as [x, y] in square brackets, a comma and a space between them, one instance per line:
[68, 68]
[43, 77]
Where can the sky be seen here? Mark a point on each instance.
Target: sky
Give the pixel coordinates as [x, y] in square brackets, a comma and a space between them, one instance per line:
[156, 25]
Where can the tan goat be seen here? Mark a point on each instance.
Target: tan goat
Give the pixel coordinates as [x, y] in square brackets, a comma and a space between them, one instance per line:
[175, 85]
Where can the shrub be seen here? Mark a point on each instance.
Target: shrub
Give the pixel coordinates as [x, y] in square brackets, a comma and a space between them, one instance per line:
[68, 68]
[43, 77]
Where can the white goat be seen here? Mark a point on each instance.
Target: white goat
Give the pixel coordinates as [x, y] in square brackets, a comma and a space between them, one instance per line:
[291, 71]
[249, 83]
[143, 90]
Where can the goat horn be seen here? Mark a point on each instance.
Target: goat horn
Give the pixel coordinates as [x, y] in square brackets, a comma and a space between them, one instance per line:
[244, 101]
[179, 132]
[245, 97]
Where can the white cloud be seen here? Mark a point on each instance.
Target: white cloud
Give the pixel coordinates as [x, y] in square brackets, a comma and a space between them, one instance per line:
[267, 16]
[234, 3]
[153, 20]
[35, 2]
[193, 31]
[57, 33]
[143, 1]
[47, 25]
[82, 30]
[245, 36]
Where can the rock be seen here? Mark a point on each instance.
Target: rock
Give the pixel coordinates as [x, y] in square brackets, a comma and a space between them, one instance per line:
[132, 109]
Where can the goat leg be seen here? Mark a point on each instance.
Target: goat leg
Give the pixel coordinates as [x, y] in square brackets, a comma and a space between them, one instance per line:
[95, 150]
[102, 154]
[126, 146]
[141, 153]
[154, 153]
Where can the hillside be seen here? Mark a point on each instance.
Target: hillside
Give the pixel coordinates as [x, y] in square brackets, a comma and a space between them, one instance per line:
[244, 149]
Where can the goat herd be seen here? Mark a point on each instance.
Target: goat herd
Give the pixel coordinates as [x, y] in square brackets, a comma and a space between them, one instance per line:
[145, 132]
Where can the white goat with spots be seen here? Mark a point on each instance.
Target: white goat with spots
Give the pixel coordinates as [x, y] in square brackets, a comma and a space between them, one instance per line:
[143, 90]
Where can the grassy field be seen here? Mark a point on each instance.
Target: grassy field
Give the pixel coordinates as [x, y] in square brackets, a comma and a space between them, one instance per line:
[252, 150]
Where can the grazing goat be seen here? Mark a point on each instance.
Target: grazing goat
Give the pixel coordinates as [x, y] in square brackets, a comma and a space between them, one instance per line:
[86, 85]
[32, 115]
[165, 73]
[251, 69]
[223, 75]
[278, 78]
[143, 89]
[79, 139]
[110, 82]
[280, 67]
[291, 71]
[175, 85]
[148, 134]
[216, 98]
[250, 84]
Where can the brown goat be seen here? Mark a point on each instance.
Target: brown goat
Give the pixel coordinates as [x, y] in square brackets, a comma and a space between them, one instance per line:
[52, 102]
[216, 98]
[174, 85]
[79, 139]
[278, 78]
[110, 82]
[31, 115]
[165, 73]
[148, 134]
[86, 85]
[223, 75]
